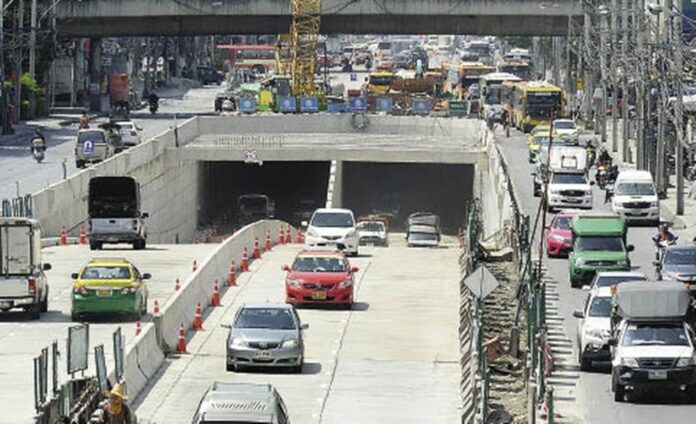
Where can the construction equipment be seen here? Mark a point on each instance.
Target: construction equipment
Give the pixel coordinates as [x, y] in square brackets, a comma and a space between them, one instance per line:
[296, 53]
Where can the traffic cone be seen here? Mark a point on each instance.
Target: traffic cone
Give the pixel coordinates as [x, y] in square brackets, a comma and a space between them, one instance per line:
[281, 237]
[288, 235]
[177, 284]
[63, 236]
[268, 246]
[138, 328]
[155, 310]
[300, 237]
[83, 237]
[181, 343]
[232, 278]
[198, 318]
[216, 294]
[195, 265]
[245, 260]
[256, 253]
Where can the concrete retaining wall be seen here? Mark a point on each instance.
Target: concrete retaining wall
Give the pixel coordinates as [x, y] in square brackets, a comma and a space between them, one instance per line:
[492, 189]
[168, 189]
[142, 360]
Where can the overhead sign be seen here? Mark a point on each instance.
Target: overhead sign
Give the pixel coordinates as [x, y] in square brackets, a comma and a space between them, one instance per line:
[106, 60]
[420, 106]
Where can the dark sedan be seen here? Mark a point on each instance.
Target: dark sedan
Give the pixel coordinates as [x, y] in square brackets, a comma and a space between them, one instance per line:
[678, 264]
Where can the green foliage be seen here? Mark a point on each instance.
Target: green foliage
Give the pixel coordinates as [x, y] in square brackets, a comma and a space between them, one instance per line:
[30, 84]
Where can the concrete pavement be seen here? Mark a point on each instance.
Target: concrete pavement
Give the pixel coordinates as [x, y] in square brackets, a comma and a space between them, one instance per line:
[393, 358]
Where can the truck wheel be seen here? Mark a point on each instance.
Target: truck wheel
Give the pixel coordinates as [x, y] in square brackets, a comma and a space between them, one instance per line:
[95, 245]
[574, 283]
[619, 392]
[585, 363]
[80, 164]
[44, 304]
[34, 311]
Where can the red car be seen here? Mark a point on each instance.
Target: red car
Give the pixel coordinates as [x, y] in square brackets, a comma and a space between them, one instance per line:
[559, 237]
[320, 277]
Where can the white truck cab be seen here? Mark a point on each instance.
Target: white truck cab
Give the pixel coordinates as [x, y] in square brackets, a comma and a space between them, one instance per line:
[333, 227]
[569, 189]
[23, 283]
[635, 198]
[653, 340]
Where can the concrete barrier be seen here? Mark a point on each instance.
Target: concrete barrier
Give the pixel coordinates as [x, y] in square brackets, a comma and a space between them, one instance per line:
[143, 358]
[198, 287]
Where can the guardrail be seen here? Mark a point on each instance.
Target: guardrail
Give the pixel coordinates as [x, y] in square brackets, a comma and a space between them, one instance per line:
[21, 206]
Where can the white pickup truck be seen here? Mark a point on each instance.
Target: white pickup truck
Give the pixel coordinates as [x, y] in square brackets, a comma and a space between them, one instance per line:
[114, 212]
[23, 283]
[569, 189]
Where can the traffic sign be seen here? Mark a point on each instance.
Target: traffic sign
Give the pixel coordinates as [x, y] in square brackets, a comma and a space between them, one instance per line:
[420, 106]
[358, 104]
[384, 104]
[88, 147]
[309, 105]
[247, 105]
[288, 105]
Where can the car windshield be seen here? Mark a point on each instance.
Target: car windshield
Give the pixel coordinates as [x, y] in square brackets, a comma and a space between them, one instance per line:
[319, 264]
[332, 219]
[651, 334]
[564, 125]
[610, 280]
[371, 226]
[381, 80]
[93, 136]
[635, 189]
[600, 307]
[563, 222]
[568, 179]
[680, 256]
[599, 244]
[422, 237]
[106, 273]
[265, 318]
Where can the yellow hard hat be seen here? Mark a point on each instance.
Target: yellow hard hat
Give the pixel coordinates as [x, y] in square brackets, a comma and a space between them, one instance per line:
[116, 391]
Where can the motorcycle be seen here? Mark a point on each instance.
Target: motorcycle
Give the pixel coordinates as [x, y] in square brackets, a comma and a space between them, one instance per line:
[660, 247]
[38, 149]
[153, 107]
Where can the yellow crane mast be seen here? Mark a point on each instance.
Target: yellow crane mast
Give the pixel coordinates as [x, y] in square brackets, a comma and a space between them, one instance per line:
[304, 34]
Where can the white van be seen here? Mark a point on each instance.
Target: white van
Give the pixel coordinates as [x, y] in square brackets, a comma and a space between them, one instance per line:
[635, 198]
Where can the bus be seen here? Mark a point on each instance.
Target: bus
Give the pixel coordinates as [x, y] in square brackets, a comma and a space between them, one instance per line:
[257, 58]
[491, 88]
[469, 72]
[521, 55]
[516, 67]
[535, 102]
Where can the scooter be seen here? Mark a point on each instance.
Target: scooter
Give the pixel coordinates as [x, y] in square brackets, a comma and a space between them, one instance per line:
[38, 149]
[660, 247]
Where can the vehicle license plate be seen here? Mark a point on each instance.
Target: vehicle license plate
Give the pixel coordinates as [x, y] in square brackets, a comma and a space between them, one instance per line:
[263, 355]
[657, 375]
[104, 292]
[321, 295]
[573, 200]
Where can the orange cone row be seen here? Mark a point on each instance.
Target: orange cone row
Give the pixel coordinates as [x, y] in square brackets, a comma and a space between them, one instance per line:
[156, 308]
[267, 246]
[195, 265]
[181, 342]
[63, 236]
[138, 328]
[245, 260]
[216, 294]
[288, 235]
[300, 237]
[83, 236]
[198, 318]
[177, 284]
[232, 278]
[256, 253]
[281, 236]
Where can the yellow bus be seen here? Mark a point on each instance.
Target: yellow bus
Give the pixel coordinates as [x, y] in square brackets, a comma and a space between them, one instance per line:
[534, 103]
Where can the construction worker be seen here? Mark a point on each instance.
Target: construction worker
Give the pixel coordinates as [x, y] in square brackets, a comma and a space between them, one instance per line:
[84, 120]
[116, 410]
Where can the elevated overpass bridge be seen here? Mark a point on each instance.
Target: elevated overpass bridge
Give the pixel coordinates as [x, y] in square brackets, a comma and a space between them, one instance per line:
[106, 18]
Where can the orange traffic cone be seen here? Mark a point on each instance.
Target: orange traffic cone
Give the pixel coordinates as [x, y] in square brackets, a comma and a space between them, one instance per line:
[198, 318]
[281, 237]
[232, 278]
[245, 260]
[155, 309]
[195, 265]
[83, 237]
[256, 253]
[216, 294]
[138, 328]
[63, 236]
[177, 284]
[181, 343]
[288, 235]
[268, 246]
[300, 237]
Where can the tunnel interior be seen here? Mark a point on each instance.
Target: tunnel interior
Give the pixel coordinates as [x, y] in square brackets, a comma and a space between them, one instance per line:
[399, 189]
[296, 187]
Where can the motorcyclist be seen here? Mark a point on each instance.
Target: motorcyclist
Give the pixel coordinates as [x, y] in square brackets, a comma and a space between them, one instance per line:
[604, 158]
[38, 141]
[612, 175]
[153, 99]
[591, 152]
[664, 236]
[84, 120]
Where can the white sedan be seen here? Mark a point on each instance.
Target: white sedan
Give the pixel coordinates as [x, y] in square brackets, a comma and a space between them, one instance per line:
[130, 133]
[566, 129]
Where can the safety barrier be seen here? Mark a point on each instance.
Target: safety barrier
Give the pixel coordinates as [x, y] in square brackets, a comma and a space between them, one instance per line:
[21, 206]
[142, 360]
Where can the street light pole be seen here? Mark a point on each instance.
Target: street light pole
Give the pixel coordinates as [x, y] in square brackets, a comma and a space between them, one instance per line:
[614, 84]
[625, 151]
[679, 109]
[602, 113]
[18, 65]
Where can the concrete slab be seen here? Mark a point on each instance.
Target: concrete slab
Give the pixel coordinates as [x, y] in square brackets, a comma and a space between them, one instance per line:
[360, 364]
[23, 340]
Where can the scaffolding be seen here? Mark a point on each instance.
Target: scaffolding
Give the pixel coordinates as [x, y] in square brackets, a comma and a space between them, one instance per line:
[303, 37]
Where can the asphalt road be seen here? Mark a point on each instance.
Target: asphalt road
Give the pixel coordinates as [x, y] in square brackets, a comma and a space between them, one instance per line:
[19, 172]
[594, 402]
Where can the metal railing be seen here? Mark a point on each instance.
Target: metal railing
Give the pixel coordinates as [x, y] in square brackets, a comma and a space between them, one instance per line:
[21, 206]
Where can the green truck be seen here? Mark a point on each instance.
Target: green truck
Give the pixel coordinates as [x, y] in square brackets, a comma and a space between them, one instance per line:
[599, 244]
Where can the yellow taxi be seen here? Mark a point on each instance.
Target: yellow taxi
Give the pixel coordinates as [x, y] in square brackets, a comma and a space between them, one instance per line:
[544, 128]
[106, 286]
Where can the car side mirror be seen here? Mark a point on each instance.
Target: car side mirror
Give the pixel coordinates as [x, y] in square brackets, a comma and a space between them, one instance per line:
[304, 224]
[304, 326]
[147, 276]
[354, 269]
[285, 268]
[592, 183]
[630, 248]
[612, 341]
[47, 267]
[586, 288]
[578, 314]
[145, 215]
[74, 275]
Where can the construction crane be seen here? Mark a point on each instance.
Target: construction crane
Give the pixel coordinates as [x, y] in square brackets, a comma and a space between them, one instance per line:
[296, 53]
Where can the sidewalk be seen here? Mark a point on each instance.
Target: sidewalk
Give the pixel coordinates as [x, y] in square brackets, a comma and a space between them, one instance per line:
[684, 224]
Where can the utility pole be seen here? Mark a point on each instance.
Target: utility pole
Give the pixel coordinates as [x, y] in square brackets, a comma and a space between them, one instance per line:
[603, 72]
[679, 107]
[661, 41]
[638, 19]
[32, 41]
[587, 76]
[3, 95]
[614, 84]
[18, 65]
[625, 151]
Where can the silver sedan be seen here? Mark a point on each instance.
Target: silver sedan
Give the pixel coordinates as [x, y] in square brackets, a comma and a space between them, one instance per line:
[265, 335]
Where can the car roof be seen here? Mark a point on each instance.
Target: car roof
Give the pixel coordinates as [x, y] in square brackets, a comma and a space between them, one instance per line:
[238, 400]
[108, 261]
[321, 252]
[601, 292]
[682, 247]
[635, 174]
[621, 274]
[334, 210]
[266, 305]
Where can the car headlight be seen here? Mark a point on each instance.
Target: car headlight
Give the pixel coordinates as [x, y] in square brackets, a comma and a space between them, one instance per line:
[312, 233]
[622, 262]
[556, 192]
[293, 283]
[238, 342]
[289, 343]
[350, 233]
[685, 362]
[597, 333]
[345, 283]
[629, 362]
[653, 204]
[579, 262]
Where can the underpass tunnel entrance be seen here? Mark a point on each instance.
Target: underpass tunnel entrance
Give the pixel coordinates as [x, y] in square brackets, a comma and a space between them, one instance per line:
[399, 189]
[297, 188]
